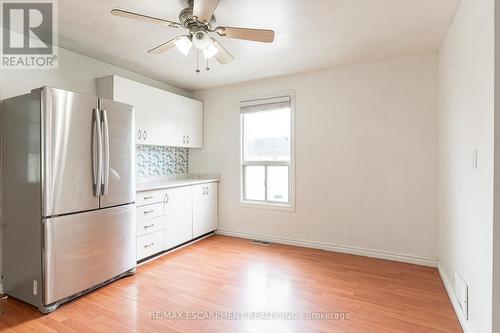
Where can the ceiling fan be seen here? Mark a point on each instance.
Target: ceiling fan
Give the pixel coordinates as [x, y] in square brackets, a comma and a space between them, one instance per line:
[199, 19]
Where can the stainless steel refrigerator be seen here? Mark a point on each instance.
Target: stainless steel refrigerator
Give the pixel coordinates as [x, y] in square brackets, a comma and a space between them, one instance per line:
[68, 193]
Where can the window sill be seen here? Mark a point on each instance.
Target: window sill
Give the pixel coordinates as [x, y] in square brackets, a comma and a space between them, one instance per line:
[267, 205]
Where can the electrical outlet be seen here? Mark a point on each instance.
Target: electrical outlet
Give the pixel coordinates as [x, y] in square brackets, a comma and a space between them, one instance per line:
[462, 294]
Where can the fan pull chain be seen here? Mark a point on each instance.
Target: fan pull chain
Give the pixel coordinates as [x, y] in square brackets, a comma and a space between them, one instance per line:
[197, 61]
[207, 68]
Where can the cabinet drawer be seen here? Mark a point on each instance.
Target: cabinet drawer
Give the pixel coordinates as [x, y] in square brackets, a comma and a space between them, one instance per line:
[150, 244]
[150, 225]
[149, 211]
[146, 198]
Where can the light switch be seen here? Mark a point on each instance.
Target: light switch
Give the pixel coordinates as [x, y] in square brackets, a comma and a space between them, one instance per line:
[474, 158]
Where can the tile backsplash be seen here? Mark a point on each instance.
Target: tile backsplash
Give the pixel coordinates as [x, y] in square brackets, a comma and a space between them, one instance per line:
[161, 161]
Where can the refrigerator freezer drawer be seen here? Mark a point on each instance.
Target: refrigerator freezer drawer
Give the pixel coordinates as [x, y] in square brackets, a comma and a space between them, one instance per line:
[83, 250]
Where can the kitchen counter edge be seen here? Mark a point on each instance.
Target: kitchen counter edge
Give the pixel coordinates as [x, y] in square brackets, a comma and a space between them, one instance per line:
[172, 184]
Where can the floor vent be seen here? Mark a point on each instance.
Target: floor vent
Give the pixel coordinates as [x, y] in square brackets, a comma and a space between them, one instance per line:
[262, 243]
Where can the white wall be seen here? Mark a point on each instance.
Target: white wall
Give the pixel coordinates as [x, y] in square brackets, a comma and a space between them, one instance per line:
[366, 150]
[466, 116]
[496, 211]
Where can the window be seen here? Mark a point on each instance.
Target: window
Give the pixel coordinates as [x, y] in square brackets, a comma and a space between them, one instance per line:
[266, 151]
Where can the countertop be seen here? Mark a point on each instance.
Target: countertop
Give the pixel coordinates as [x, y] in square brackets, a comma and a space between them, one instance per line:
[171, 183]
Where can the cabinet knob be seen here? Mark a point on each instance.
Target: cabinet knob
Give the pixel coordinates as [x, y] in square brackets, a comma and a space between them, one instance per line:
[139, 135]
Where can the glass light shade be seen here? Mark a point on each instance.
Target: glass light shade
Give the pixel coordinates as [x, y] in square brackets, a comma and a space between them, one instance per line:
[210, 51]
[201, 40]
[183, 45]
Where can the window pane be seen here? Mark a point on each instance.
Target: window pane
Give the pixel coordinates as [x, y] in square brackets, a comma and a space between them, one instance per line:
[255, 177]
[266, 135]
[277, 183]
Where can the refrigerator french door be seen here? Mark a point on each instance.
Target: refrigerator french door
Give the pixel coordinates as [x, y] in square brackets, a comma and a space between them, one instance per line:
[88, 192]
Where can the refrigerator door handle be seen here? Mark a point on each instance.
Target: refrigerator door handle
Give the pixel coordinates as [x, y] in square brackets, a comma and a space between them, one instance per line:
[106, 166]
[96, 151]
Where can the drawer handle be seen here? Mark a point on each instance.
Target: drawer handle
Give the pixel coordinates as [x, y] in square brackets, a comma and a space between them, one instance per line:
[148, 197]
[149, 245]
[149, 211]
[149, 226]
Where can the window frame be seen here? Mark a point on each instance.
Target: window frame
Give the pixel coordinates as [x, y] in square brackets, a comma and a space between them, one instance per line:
[268, 204]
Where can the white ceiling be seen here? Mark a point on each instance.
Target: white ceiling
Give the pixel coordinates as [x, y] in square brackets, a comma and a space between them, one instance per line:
[310, 34]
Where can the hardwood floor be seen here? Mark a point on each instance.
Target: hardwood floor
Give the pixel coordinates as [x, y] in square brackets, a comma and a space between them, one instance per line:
[229, 276]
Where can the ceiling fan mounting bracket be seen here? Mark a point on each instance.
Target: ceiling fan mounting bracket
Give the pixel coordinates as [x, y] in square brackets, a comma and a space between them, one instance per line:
[189, 21]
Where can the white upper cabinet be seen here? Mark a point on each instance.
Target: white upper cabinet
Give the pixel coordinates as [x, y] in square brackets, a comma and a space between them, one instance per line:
[153, 116]
[162, 118]
[193, 123]
[184, 122]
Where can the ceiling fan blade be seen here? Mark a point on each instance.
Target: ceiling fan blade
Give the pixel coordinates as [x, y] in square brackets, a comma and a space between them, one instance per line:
[204, 9]
[256, 35]
[165, 46]
[144, 18]
[222, 56]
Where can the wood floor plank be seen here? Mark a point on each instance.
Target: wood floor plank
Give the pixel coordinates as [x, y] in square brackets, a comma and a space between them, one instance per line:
[229, 275]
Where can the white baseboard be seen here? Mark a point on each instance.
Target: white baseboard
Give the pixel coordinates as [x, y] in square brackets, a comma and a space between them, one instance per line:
[334, 248]
[466, 325]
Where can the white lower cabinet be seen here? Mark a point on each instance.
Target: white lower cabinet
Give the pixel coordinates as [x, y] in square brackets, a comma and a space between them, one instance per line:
[178, 216]
[150, 220]
[168, 218]
[149, 226]
[204, 208]
[150, 244]
[150, 211]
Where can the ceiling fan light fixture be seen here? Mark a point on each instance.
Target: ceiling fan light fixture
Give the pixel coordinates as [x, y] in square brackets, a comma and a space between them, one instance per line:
[184, 45]
[210, 51]
[201, 40]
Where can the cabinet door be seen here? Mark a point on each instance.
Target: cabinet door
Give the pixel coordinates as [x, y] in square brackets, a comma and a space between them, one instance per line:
[152, 120]
[204, 208]
[184, 122]
[174, 126]
[130, 92]
[178, 216]
[194, 122]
